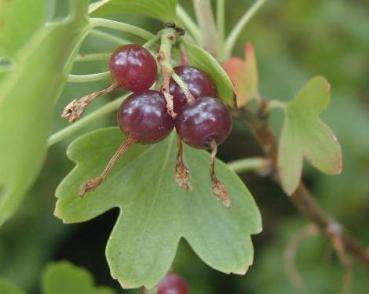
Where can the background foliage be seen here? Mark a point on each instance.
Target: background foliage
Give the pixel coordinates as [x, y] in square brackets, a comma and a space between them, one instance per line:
[293, 41]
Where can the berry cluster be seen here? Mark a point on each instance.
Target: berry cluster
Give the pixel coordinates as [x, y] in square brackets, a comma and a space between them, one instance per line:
[199, 117]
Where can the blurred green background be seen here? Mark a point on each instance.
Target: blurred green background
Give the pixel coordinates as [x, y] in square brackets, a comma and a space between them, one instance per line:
[294, 40]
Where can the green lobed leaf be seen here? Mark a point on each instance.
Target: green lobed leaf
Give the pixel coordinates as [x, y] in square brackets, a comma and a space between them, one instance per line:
[18, 21]
[305, 135]
[203, 60]
[163, 9]
[27, 96]
[6, 287]
[64, 277]
[154, 212]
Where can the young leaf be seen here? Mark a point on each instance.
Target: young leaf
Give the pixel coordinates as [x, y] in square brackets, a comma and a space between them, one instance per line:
[27, 96]
[7, 287]
[305, 135]
[244, 75]
[203, 60]
[163, 9]
[154, 212]
[14, 34]
[64, 277]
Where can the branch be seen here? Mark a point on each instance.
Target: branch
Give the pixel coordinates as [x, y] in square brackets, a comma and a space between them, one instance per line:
[302, 198]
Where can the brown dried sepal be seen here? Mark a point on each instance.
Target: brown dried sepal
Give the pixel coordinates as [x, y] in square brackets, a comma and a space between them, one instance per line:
[182, 173]
[74, 110]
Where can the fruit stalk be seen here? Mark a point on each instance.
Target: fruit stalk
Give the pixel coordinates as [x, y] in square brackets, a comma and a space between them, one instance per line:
[93, 183]
[77, 107]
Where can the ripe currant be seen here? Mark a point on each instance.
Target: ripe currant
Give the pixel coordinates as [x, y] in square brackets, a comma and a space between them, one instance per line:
[172, 283]
[143, 117]
[204, 121]
[133, 67]
[198, 82]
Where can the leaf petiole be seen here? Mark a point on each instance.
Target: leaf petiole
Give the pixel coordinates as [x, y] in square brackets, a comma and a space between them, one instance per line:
[120, 26]
[273, 104]
[236, 31]
[220, 25]
[249, 164]
[109, 37]
[102, 75]
[189, 24]
[92, 57]
[88, 78]
[85, 121]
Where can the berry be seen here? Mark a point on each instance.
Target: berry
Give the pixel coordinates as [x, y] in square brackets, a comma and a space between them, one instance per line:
[144, 117]
[172, 284]
[205, 120]
[133, 67]
[198, 82]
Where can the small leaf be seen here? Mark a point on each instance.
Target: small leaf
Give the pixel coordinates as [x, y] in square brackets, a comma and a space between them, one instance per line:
[64, 277]
[163, 9]
[244, 75]
[27, 96]
[154, 212]
[6, 287]
[305, 135]
[203, 60]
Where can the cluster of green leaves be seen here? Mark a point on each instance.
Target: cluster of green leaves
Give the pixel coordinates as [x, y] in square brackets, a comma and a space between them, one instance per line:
[59, 278]
[156, 213]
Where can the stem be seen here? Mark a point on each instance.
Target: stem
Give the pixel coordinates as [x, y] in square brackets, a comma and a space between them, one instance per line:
[188, 23]
[217, 186]
[248, 164]
[302, 197]
[220, 25]
[74, 110]
[92, 57]
[85, 121]
[88, 78]
[272, 104]
[103, 75]
[168, 39]
[205, 19]
[189, 97]
[182, 172]
[120, 26]
[232, 38]
[109, 37]
[93, 183]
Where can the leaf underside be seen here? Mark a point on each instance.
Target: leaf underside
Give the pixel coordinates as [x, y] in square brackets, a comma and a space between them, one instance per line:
[305, 135]
[163, 9]
[202, 59]
[27, 96]
[154, 212]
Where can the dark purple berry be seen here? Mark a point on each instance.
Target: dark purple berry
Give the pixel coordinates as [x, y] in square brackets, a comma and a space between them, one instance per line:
[198, 82]
[172, 284]
[144, 117]
[205, 120]
[133, 67]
